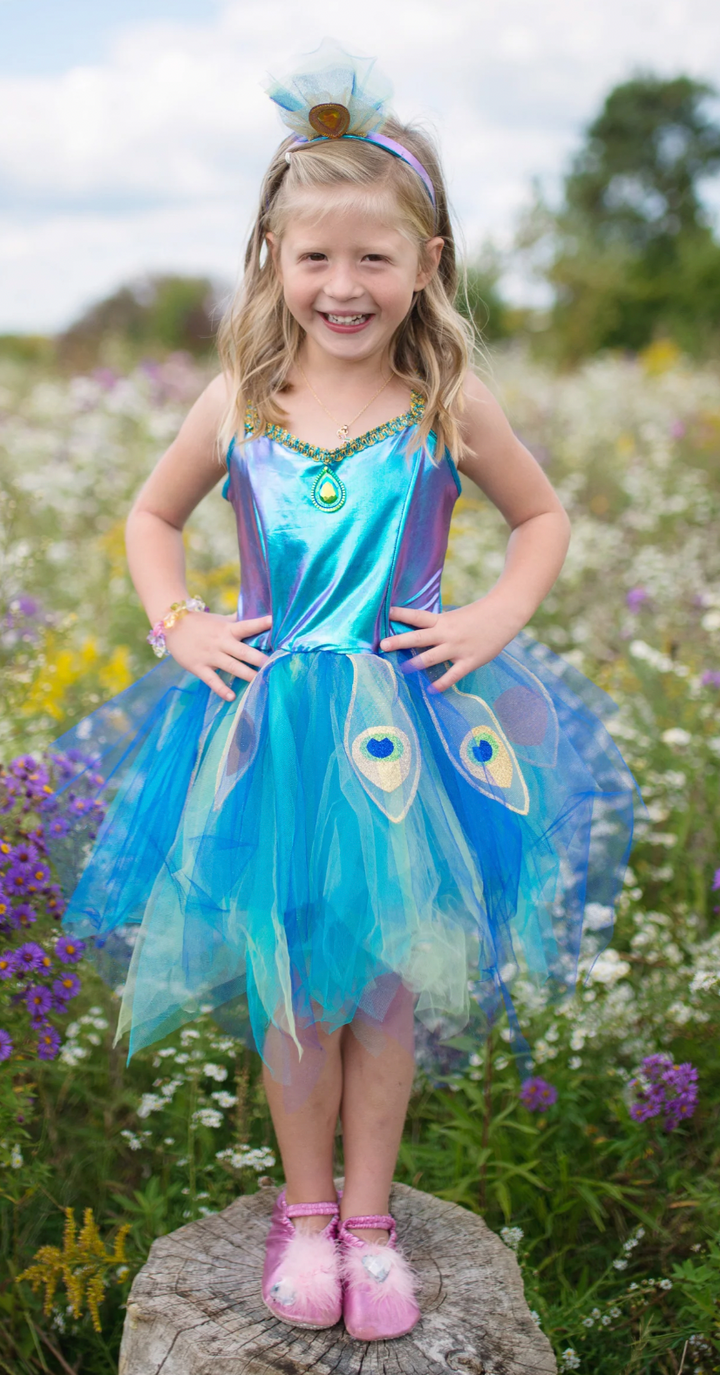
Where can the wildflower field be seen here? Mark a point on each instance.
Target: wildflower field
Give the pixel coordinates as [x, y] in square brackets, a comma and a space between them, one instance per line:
[602, 1170]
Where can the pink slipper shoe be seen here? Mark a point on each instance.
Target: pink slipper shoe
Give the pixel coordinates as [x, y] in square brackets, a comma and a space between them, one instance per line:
[379, 1286]
[301, 1275]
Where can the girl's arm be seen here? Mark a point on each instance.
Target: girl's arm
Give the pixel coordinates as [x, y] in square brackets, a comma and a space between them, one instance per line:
[512, 479]
[187, 471]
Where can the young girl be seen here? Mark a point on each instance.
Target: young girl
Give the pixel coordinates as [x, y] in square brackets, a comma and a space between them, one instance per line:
[344, 815]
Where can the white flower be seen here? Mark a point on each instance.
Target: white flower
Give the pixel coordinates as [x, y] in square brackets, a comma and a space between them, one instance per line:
[122, 1272]
[595, 1313]
[167, 1051]
[133, 1141]
[664, 1284]
[620, 1264]
[570, 1359]
[223, 1099]
[676, 736]
[512, 1236]
[16, 1158]
[615, 1313]
[207, 1117]
[535, 1317]
[247, 1157]
[605, 1320]
[150, 1102]
[639, 1233]
[588, 1322]
[609, 968]
[574, 1062]
[216, 1072]
[189, 1034]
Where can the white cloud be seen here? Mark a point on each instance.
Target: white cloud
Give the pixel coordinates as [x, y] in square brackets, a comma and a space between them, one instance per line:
[152, 159]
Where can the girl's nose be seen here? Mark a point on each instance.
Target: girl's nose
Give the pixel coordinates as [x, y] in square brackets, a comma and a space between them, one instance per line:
[342, 285]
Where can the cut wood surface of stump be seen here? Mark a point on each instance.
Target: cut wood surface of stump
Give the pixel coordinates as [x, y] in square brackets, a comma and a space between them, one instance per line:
[195, 1307]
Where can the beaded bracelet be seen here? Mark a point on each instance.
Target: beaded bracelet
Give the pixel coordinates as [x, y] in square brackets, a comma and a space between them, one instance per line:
[177, 610]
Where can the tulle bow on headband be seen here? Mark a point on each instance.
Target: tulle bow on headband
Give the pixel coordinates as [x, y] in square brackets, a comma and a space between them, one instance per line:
[334, 95]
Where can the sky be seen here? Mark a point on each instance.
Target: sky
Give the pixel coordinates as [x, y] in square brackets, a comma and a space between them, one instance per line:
[134, 133]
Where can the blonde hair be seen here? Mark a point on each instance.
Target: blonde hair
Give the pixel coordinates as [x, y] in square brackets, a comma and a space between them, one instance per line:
[259, 340]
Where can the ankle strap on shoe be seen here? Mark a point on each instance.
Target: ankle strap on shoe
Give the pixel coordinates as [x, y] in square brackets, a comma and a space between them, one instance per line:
[381, 1222]
[312, 1209]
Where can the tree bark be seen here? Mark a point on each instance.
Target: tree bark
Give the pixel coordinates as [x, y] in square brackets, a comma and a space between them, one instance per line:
[195, 1307]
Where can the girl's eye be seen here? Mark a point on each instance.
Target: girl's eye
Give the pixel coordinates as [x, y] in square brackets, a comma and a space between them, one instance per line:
[315, 257]
[374, 258]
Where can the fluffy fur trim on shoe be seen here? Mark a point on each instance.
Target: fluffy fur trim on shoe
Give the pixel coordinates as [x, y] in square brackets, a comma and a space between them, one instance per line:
[308, 1273]
[382, 1273]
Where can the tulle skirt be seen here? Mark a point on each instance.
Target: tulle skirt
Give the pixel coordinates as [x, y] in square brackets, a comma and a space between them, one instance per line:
[342, 840]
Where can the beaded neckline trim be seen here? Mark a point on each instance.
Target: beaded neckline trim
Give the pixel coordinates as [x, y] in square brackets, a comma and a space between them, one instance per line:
[353, 446]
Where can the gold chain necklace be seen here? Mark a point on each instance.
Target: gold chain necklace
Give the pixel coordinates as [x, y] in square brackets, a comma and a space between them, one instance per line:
[344, 430]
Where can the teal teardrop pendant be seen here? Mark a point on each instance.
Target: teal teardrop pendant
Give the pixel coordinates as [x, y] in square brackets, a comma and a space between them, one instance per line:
[328, 492]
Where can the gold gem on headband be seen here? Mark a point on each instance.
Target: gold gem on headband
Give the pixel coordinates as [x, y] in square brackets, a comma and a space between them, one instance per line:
[335, 95]
[329, 121]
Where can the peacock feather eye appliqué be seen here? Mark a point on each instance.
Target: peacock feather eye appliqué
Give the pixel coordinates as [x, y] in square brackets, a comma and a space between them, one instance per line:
[383, 755]
[485, 755]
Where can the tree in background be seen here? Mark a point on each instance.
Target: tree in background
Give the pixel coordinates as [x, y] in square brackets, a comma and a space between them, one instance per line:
[158, 314]
[631, 255]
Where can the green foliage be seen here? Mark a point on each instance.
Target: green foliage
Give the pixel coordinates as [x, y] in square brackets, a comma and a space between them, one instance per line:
[630, 253]
[636, 178]
[480, 298]
[156, 315]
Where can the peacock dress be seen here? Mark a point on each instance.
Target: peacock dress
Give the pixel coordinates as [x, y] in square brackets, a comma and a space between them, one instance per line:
[342, 836]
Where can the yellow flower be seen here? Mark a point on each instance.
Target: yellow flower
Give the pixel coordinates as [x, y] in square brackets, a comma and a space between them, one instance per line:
[83, 1265]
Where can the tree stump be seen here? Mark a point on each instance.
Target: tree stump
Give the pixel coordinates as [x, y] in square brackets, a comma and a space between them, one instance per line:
[195, 1307]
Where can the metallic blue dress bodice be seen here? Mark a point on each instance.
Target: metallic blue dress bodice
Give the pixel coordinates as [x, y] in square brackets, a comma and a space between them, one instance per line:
[329, 577]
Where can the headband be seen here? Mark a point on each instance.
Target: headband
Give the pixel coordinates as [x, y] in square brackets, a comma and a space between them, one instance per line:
[336, 96]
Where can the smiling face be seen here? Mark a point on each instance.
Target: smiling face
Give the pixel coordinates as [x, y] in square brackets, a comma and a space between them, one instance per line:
[348, 274]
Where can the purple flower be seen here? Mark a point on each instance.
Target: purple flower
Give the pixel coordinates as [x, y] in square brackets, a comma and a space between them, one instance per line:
[24, 852]
[5, 912]
[38, 1000]
[31, 957]
[23, 915]
[66, 987]
[106, 377]
[537, 1094]
[677, 429]
[69, 950]
[6, 1045]
[710, 678]
[58, 827]
[8, 964]
[48, 1043]
[17, 878]
[664, 1089]
[635, 598]
[39, 876]
[23, 765]
[27, 606]
[55, 900]
[716, 881]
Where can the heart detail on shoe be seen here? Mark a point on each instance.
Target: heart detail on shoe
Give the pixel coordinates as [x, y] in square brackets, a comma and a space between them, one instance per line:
[377, 1266]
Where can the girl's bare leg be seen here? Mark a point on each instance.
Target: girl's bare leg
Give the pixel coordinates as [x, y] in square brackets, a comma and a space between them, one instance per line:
[306, 1135]
[375, 1094]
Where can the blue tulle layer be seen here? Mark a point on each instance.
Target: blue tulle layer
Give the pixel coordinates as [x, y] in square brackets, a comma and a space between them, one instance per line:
[338, 832]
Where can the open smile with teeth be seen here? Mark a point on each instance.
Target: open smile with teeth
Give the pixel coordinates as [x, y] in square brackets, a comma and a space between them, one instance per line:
[346, 319]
